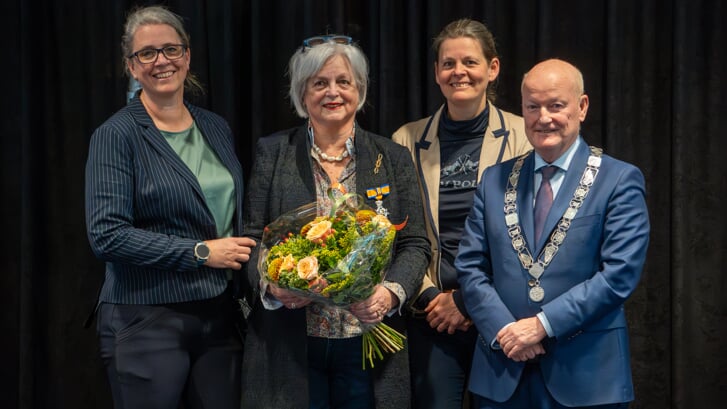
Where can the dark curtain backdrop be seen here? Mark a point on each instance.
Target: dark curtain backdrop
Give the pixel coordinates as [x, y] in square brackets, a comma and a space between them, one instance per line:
[654, 70]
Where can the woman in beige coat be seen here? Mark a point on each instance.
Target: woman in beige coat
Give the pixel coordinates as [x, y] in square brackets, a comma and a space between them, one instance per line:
[450, 150]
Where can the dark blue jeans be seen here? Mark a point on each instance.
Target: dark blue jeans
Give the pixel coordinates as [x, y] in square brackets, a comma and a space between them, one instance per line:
[158, 356]
[336, 377]
[440, 364]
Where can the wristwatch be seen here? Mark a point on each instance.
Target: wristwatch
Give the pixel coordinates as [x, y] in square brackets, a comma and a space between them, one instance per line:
[201, 253]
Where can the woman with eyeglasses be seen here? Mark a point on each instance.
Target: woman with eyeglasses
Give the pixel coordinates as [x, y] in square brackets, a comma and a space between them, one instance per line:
[451, 149]
[164, 193]
[307, 355]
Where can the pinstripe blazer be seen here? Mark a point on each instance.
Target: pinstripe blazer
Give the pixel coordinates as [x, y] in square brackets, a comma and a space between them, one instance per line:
[145, 209]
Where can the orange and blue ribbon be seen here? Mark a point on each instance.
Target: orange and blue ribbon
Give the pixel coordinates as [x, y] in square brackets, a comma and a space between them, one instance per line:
[378, 193]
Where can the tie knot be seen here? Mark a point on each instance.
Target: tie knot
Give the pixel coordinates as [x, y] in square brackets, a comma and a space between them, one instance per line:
[548, 171]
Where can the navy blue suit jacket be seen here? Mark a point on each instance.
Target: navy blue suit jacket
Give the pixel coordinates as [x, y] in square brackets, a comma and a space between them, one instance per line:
[145, 209]
[586, 284]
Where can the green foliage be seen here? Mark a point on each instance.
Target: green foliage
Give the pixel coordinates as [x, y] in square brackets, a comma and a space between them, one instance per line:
[290, 279]
[352, 256]
[296, 245]
[350, 259]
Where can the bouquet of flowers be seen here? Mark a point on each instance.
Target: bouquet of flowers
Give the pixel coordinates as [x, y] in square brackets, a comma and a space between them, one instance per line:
[336, 259]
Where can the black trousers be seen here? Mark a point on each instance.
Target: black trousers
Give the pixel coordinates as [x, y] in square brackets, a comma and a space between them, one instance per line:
[440, 364]
[170, 356]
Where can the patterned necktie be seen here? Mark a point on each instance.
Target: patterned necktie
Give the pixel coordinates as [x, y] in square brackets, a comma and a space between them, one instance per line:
[543, 200]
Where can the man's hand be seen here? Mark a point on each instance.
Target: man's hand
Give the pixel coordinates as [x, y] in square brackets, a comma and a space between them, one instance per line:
[528, 353]
[520, 340]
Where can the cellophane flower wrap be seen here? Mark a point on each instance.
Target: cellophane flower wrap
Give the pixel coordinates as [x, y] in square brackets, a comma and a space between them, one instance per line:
[336, 259]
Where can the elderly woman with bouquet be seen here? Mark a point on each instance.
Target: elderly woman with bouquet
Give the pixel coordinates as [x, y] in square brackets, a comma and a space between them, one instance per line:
[304, 354]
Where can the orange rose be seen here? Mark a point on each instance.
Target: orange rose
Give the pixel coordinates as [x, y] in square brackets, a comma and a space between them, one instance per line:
[319, 231]
[288, 263]
[308, 268]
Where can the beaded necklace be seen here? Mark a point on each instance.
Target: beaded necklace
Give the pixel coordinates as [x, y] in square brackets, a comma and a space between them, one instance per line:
[317, 152]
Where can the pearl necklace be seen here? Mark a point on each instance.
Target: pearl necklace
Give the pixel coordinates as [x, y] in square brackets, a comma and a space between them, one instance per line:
[325, 157]
[319, 153]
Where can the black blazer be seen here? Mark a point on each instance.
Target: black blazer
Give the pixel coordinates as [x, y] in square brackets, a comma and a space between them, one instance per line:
[145, 209]
[275, 363]
[282, 180]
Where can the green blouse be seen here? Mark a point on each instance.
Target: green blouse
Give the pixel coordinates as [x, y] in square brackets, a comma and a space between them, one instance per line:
[214, 178]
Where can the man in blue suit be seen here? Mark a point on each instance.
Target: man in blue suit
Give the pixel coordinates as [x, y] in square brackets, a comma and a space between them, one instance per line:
[549, 306]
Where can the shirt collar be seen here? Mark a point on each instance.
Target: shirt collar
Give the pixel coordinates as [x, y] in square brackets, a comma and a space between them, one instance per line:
[563, 162]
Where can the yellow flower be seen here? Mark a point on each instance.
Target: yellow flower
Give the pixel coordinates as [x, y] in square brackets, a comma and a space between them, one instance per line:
[381, 221]
[363, 216]
[308, 268]
[304, 230]
[319, 231]
[288, 263]
[274, 269]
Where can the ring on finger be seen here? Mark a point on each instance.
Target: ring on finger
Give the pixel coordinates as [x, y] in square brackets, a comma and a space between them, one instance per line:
[292, 305]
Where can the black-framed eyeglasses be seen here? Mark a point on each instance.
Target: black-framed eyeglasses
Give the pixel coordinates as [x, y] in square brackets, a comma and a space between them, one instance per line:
[318, 40]
[149, 55]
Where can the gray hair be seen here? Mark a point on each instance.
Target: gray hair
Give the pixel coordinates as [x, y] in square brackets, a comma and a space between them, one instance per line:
[306, 62]
[143, 16]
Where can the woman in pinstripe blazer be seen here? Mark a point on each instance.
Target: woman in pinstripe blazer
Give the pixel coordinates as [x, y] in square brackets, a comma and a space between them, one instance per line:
[303, 355]
[163, 197]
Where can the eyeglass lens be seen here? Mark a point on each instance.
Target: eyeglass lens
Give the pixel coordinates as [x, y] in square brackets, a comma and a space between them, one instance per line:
[171, 52]
[318, 40]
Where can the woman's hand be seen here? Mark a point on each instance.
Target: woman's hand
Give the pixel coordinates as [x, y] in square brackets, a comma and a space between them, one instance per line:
[287, 297]
[443, 314]
[373, 309]
[229, 252]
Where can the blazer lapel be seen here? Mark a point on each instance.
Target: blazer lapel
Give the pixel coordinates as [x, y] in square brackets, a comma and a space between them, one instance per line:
[299, 140]
[525, 200]
[158, 143]
[367, 175]
[224, 149]
[216, 140]
[493, 142]
[429, 166]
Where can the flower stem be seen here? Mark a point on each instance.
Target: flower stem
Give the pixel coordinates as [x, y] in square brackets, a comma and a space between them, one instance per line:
[380, 337]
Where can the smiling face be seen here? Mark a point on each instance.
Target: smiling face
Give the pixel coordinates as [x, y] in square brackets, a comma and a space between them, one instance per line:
[463, 73]
[162, 77]
[554, 106]
[331, 95]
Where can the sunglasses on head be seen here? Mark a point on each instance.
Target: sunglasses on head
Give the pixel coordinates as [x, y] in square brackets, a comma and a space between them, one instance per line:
[318, 40]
